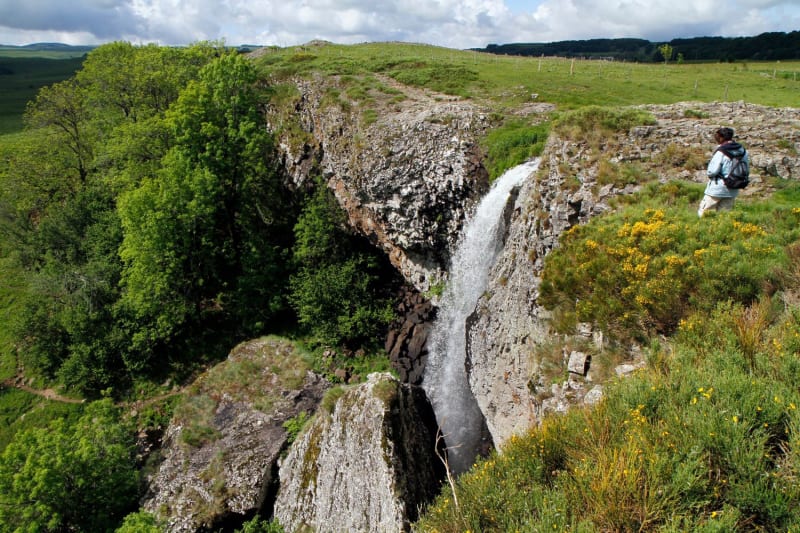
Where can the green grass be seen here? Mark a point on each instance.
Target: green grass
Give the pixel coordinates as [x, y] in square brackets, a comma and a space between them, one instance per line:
[512, 144]
[506, 82]
[21, 77]
[20, 410]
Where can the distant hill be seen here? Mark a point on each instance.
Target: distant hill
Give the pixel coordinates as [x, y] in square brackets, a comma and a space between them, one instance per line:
[767, 46]
[48, 47]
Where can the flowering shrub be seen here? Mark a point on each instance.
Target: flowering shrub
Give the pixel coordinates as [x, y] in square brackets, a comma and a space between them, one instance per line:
[638, 271]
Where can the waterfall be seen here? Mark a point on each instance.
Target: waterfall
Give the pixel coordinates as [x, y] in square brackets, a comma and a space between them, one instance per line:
[445, 379]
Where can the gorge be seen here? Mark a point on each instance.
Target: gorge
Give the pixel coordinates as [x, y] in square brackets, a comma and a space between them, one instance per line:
[221, 268]
[433, 163]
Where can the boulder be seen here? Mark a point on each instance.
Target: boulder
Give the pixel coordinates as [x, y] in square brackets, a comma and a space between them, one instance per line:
[219, 454]
[366, 466]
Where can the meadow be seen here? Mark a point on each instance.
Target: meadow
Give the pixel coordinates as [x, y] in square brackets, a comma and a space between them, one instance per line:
[23, 73]
[506, 82]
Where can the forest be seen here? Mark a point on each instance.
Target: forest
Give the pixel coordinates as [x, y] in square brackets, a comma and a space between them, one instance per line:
[764, 47]
[145, 229]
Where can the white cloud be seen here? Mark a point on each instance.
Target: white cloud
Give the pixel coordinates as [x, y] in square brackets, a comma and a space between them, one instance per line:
[453, 23]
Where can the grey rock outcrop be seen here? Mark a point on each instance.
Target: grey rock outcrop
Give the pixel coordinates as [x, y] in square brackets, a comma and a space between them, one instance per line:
[509, 326]
[366, 466]
[220, 451]
[406, 179]
[406, 342]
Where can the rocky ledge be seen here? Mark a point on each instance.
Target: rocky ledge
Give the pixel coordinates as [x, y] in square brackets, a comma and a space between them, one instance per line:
[368, 465]
[509, 327]
[218, 461]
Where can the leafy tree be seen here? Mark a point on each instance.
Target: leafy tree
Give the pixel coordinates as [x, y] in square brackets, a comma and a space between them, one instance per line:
[202, 239]
[62, 109]
[79, 477]
[666, 51]
[61, 208]
[337, 292]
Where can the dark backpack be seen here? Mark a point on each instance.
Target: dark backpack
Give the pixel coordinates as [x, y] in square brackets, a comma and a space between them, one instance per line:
[739, 176]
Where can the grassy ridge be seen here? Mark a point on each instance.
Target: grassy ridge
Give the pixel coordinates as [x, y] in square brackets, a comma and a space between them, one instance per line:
[508, 81]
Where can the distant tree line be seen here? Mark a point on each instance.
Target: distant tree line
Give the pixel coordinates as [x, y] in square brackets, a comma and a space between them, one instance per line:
[766, 46]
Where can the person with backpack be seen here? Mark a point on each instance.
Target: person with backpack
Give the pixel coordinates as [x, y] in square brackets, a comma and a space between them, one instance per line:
[728, 172]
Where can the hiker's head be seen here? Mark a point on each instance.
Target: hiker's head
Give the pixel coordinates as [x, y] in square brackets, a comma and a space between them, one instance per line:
[723, 134]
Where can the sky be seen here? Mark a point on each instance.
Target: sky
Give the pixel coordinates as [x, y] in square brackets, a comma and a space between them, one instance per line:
[448, 23]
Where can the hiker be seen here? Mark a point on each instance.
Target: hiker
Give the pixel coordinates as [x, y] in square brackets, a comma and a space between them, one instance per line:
[717, 195]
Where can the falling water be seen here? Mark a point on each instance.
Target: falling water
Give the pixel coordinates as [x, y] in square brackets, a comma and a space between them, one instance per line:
[445, 379]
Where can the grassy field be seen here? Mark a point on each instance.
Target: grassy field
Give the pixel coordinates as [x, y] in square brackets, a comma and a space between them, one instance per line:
[507, 82]
[22, 74]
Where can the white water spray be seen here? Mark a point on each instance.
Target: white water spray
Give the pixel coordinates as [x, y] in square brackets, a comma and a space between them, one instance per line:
[445, 379]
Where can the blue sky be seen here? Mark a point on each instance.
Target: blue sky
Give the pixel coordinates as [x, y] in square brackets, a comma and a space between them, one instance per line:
[451, 23]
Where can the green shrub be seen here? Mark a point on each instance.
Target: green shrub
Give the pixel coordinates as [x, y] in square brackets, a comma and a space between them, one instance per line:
[636, 272]
[512, 144]
[339, 291]
[593, 121]
[294, 426]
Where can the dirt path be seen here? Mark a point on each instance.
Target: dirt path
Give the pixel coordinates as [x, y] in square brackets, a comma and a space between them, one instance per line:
[50, 394]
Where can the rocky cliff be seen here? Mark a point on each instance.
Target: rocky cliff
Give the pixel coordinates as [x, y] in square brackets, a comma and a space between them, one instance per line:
[368, 465]
[406, 178]
[218, 460]
[509, 330]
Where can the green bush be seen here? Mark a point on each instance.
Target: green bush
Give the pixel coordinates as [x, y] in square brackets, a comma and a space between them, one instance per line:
[638, 271]
[69, 476]
[339, 291]
[513, 144]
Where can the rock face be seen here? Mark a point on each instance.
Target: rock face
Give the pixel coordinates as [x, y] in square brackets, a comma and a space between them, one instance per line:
[405, 180]
[406, 342]
[219, 454]
[509, 327]
[366, 466]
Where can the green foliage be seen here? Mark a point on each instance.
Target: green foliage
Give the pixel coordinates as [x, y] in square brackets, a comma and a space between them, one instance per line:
[67, 327]
[21, 411]
[295, 425]
[337, 292]
[140, 522]
[202, 241]
[78, 477]
[638, 271]
[512, 144]
[259, 525]
[698, 441]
